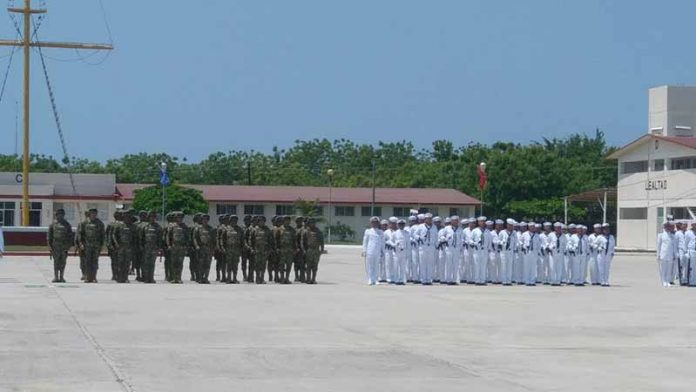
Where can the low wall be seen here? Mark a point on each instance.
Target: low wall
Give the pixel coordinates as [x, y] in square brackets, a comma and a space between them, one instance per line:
[25, 236]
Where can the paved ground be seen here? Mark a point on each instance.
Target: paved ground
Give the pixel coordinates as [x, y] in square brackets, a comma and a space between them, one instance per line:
[342, 335]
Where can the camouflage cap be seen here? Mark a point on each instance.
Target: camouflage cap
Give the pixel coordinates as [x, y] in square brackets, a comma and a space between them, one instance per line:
[233, 217]
[94, 210]
[143, 213]
[247, 217]
[299, 218]
[151, 213]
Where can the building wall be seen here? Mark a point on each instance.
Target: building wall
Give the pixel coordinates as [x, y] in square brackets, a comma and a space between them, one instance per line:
[672, 110]
[659, 192]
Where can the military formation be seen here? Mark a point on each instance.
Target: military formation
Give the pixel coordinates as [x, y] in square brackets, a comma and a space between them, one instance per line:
[135, 241]
[427, 250]
[676, 253]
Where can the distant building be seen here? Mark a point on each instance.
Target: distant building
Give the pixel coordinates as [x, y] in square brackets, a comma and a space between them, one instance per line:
[657, 172]
[349, 206]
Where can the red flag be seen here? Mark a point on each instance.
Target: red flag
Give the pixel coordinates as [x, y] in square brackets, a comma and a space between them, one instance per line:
[481, 170]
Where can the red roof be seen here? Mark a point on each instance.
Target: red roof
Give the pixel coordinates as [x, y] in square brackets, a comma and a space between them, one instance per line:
[686, 141]
[290, 194]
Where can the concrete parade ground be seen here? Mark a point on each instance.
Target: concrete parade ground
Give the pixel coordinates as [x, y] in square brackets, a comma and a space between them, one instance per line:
[342, 335]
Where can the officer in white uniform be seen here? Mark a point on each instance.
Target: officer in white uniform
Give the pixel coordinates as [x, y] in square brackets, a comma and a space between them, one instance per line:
[543, 266]
[506, 248]
[390, 250]
[479, 252]
[441, 258]
[492, 246]
[466, 272]
[667, 253]
[680, 235]
[691, 252]
[573, 247]
[402, 252]
[373, 248]
[518, 268]
[384, 226]
[592, 240]
[413, 260]
[426, 235]
[584, 252]
[451, 243]
[565, 277]
[555, 246]
[604, 260]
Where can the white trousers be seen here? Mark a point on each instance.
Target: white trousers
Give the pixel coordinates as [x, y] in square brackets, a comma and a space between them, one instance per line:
[692, 267]
[401, 266]
[666, 271]
[556, 265]
[440, 261]
[506, 266]
[414, 271]
[603, 267]
[453, 257]
[372, 267]
[426, 256]
[493, 267]
[518, 267]
[382, 268]
[480, 266]
[465, 266]
[582, 277]
[594, 269]
[683, 263]
[565, 276]
[530, 267]
[575, 268]
[544, 276]
[389, 264]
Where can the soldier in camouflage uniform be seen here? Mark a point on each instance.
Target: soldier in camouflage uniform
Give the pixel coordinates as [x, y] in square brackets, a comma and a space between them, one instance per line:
[245, 251]
[83, 267]
[167, 256]
[91, 240]
[285, 239]
[219, 254]
[118, 217]
[204, 244]
[151, 246]
[274, 261]
[299, 255]
[123, 239]
[178, 244]
[138, 248]
[232, 240]
[248, 231]
[193, 255]
[262, 246]
[60, 239]
[313, 246]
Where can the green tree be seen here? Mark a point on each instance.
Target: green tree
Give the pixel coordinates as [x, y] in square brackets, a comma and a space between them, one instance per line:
[177, 198]
[308, 209]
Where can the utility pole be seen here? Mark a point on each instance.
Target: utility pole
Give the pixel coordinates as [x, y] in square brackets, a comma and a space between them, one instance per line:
[374, 187]
[27, 44]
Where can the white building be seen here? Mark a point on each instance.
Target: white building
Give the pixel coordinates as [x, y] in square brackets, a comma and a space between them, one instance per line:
[657, 172]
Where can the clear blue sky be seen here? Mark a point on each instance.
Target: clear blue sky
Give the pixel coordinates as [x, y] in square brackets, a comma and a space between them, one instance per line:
[189, 78]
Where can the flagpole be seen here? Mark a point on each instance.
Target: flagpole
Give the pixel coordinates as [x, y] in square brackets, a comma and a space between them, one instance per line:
[163, 168]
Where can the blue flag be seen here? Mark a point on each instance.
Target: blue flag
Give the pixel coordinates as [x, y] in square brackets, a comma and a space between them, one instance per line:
[164, 177]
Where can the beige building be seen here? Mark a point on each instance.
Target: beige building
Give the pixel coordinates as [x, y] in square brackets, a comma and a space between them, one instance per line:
[657, 172]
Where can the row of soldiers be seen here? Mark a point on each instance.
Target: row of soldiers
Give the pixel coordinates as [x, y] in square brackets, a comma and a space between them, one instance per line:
[134, 241]
[479, 251]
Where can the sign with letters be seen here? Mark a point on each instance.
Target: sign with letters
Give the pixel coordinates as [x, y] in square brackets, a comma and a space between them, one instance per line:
[656, 185]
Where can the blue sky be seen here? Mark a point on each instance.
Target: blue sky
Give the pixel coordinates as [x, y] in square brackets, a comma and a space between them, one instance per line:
[189, 78]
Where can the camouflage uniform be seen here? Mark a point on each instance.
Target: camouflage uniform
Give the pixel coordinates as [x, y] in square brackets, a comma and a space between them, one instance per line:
[247, 256]
[312, 245]
[91, 241]
[81, 253]
[274, 260]
[204, 243]
[177, 244]
[138, 248]
[165, 251]
[286, 243]
[193, 256]
[262, 246]
[151, 242]
[118, 216]
[232, 239]
[219, 254]
[60, 239]
[299, 255]
[123, 238]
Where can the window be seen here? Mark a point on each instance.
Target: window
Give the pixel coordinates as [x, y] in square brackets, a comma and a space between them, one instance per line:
[367, 211]
[69, 210]
[455, 211]
[680, 213]
[102, 210]
[425, 210]
[659, 165]
[35, 214]
[7, 213]
[683, 163]
[634, 167]
[319, 211]
[344, 211]
[402, 211]
[253, 209]
[285, 209]
[633, 213]
[226, 209]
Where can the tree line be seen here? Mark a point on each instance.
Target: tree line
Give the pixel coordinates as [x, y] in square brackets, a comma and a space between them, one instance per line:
[524, 179]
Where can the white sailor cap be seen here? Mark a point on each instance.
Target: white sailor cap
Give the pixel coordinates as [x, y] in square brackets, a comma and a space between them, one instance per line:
[437, 219]
[510, 221]
[537, 225]
[401, 222]
[499, 222]
[605, 225]
[597, 225]
[374, 219]
[393, 219]
[516, 224]
[571, 226]
[489, 223]
[547, 224]
[455, 217]
[523, 224]
[558, 224]
[481, 219]
[384, 222]
[412, 218]
[428, 215]
[421, 216]
[448, 219]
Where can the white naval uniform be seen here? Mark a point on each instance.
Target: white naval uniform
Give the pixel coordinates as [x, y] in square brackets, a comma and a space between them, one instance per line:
[667, 253]
[584, 258]
[594, 271]
[373, 248]
[573, 247]
[493, 257]
[605, 254]
[565, 276]
[479, 255]
[451, 240]
[681, 245]
[555, 249]
[441, 258]
[414, 270]
[529, 254]
[542, 261]
[507, 251]
[389, 247]
[466, 270]
[691, 253]
[402, 253]
[427, 241]
[518, 258]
